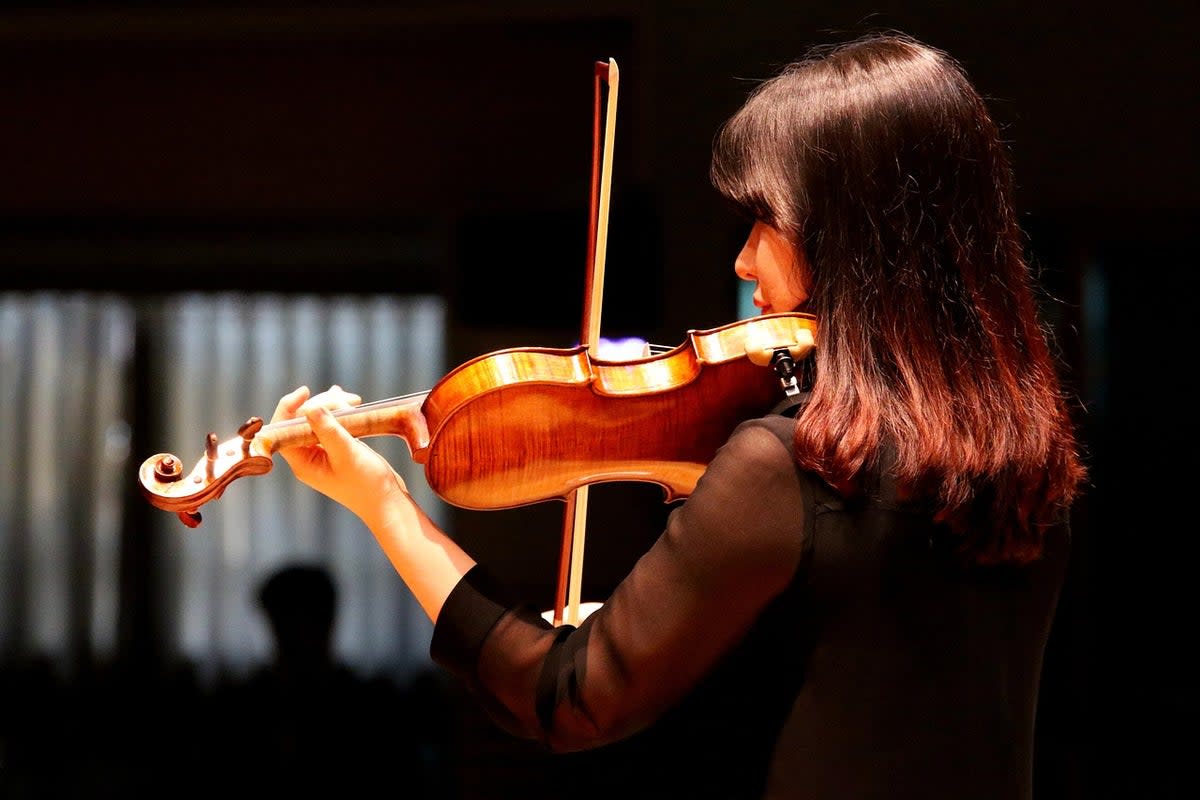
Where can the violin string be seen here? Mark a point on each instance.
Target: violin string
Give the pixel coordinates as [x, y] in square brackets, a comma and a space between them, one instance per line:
[388, 400]
[343, 411]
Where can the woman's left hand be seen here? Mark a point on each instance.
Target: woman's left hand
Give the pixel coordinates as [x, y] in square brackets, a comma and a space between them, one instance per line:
[340, 466]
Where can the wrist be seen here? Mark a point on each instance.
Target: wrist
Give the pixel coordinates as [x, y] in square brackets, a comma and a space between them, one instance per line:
[388, 509]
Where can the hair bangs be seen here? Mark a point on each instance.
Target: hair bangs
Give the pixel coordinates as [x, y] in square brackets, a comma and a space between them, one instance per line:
[746, 172]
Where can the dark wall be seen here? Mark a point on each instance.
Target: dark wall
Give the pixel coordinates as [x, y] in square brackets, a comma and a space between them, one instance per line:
[467, 130]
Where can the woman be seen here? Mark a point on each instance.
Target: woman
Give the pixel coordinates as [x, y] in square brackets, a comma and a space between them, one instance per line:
[877, 571]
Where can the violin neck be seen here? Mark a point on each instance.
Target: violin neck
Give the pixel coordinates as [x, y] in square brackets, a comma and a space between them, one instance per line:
[401, 416]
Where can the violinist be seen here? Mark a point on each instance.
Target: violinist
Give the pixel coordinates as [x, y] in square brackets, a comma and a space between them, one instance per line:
[874, 570]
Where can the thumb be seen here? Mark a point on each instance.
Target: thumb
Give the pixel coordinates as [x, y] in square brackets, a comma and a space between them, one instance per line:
[336, 440]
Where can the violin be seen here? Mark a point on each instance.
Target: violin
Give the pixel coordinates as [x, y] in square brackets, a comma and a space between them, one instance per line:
[525, 425]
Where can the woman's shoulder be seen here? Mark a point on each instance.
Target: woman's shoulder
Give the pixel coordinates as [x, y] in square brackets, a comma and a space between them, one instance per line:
[760, 450]
[766, 440]
[753, 505]
[764, 444]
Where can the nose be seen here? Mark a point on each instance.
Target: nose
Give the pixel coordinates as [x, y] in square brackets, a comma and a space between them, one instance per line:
[743, 265]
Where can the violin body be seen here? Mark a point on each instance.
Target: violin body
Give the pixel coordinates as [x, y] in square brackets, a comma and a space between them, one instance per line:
[525, 425]
[522, 426]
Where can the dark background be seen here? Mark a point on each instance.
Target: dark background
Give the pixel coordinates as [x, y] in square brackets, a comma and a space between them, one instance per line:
[135, 134]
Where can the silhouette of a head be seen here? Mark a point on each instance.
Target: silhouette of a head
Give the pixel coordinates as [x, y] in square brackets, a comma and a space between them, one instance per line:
[301, 603]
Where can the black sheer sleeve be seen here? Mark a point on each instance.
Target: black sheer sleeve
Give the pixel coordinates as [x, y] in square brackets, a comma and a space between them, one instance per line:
[731, 547]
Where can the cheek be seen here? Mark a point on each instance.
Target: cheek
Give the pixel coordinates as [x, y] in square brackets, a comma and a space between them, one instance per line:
[784, 293]
[799, 294]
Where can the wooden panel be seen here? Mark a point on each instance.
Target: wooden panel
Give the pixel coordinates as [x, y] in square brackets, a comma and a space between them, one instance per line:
[402, 119]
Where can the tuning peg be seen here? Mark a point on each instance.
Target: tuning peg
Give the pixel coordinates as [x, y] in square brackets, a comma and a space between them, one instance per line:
[190, 518]
[210, 453]
[250, 427]
[247, 431]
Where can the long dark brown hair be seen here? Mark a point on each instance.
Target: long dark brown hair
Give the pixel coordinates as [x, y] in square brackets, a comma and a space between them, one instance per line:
[879, 160]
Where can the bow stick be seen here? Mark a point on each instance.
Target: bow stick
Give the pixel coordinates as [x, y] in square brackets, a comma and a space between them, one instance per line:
[570, 568]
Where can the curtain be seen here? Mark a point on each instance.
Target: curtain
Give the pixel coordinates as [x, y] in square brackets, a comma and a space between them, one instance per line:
[215, 360]
[63, 457]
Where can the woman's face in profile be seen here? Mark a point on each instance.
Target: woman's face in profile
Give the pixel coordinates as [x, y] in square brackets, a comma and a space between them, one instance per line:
[776, 267]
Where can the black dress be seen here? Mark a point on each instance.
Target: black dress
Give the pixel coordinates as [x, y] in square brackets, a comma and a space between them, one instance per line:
[780, 641]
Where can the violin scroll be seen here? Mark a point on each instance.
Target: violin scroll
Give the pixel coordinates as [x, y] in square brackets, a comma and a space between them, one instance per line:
[166, 486]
